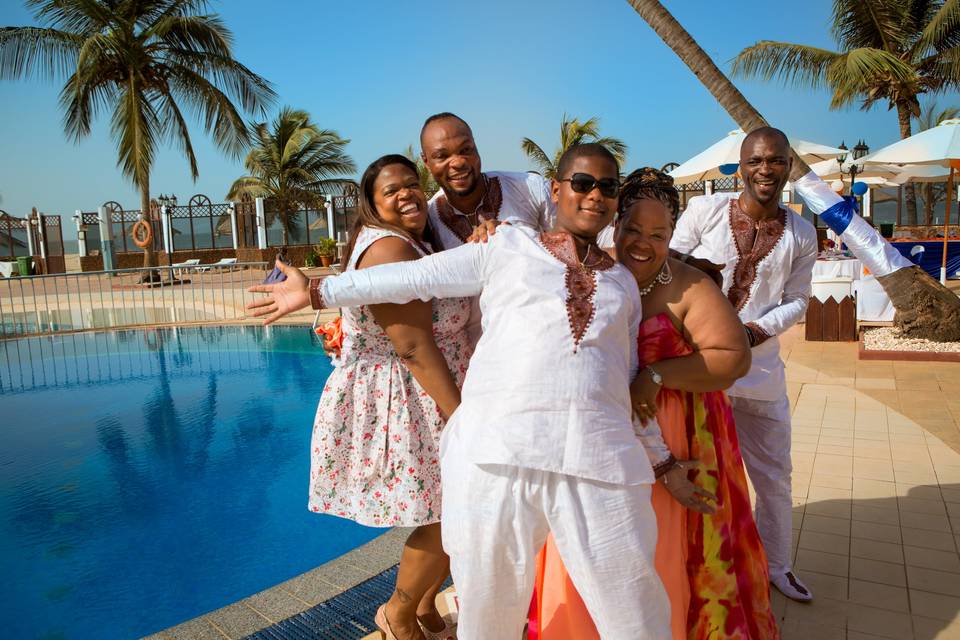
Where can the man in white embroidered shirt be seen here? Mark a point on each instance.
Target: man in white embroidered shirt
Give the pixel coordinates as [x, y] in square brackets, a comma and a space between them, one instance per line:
[543, 440]
[767, 252]
[469, 196]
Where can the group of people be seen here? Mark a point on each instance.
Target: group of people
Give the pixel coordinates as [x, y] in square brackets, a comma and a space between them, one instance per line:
[565, 423]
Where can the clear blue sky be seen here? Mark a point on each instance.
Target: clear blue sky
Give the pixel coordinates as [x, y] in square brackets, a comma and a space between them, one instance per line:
[374, 70]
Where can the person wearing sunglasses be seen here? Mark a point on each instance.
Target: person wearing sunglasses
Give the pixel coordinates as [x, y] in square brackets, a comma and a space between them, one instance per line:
[543, 440]
[469, 198]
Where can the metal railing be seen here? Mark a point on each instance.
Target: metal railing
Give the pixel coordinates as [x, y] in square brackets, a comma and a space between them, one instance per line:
[61, 303]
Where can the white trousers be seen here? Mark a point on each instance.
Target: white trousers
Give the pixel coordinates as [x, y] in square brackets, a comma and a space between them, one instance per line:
[763, 428]
[496, 519]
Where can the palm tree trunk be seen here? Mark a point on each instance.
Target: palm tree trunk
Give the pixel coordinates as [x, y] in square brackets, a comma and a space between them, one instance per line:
[149, 257]
[925, 309]
[903, 118]
[928, 203]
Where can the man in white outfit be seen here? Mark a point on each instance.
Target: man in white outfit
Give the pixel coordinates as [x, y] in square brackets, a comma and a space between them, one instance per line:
[767, 252]
[469, 196]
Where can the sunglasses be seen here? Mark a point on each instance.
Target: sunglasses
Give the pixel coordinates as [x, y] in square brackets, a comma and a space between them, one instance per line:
[585, 183]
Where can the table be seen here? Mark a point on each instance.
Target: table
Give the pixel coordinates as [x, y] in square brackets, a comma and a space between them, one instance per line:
[843, 268]
[873, 304]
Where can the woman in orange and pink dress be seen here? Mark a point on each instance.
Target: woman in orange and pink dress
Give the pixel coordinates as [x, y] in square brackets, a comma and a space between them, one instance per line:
[691, 345]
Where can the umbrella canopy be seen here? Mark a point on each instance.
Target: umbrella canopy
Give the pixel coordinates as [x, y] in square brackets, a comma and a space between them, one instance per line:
[706, 165]
[831, 170]
[922, 173]
[938, 146]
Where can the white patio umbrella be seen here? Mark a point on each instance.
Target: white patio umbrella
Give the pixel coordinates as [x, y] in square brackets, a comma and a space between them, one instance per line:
[831, 170]
[726, 151]
[937, 146]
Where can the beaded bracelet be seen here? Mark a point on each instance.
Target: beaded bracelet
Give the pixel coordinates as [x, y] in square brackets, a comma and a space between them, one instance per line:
[662, 467]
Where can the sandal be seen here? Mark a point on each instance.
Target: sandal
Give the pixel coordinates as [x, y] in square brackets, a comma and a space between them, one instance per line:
[449, 631]
[382, 624]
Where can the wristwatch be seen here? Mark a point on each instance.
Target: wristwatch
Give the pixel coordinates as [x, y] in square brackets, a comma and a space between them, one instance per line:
[656, 377]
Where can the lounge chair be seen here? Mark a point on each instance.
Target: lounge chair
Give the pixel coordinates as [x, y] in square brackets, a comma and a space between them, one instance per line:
[180, 267]
[225, 263]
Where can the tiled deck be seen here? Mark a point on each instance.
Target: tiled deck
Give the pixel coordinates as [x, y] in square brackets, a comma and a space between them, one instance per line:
[876, 516]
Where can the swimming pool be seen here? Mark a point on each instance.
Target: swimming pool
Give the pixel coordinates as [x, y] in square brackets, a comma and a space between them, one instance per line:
[147, 477]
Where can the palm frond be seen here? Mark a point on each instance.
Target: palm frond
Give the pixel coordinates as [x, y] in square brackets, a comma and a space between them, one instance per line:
[617, 147]
[873, 72]
[537, 155]
[136, 127]
[791, 63]
[941, 32]
[875, 24]
[26, 51]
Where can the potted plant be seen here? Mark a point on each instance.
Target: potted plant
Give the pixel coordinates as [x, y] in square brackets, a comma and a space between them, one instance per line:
[310, 261]
[326, 249]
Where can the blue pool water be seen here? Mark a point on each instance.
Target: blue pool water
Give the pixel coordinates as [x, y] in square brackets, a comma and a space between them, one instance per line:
[147, 477]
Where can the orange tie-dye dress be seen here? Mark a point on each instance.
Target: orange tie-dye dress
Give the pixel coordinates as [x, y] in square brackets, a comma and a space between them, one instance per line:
[713, 567]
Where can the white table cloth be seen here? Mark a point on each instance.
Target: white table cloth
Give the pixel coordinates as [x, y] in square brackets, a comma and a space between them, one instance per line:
[830, 269]
[873, 304]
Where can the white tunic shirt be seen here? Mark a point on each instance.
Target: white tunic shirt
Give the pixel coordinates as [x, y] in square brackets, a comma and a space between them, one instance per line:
[548, 385]
[514, 197]
[767, 280]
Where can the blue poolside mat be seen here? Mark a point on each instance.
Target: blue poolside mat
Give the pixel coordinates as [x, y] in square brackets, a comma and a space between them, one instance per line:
[348, 616]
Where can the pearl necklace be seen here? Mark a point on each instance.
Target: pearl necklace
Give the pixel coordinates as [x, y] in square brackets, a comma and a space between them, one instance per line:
[665, 276]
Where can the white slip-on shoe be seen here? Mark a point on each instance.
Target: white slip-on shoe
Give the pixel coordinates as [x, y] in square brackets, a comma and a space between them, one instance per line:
[789, 585]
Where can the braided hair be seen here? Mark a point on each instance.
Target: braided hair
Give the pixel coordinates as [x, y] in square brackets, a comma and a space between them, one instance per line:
[649, 183]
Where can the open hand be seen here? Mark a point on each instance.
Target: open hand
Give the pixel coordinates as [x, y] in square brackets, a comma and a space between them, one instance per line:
[283, 297]
[484, 230]
[686, 492]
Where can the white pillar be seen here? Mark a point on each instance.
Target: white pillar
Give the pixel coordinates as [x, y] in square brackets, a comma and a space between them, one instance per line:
[867, 201]
[165, 228]
[233, 225]
[261, 225]
[328, 204]
[30, 247]
[708, 187]
[81, 233]
[42, 234]
[106, 238]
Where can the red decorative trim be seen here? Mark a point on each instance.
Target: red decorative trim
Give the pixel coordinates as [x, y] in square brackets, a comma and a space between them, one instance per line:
[757, 335]
[489, 209]
[754, 241]
[580, 279]
[316, 296]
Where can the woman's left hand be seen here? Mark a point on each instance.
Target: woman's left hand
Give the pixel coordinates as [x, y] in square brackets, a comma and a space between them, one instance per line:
[643, 396]
[686, 492]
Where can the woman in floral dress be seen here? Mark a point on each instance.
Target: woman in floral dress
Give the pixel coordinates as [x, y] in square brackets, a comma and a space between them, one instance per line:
[691, 346]
[374, 452]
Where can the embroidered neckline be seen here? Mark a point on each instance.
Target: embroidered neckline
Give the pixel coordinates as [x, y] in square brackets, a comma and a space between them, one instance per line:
[751, 248]
[489, 209]
[580, 279]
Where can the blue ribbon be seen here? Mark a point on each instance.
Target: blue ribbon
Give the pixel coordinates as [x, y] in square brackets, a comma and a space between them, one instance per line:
[838, 216]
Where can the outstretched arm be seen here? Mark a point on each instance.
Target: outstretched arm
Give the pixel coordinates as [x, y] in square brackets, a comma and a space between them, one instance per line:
[448, 274]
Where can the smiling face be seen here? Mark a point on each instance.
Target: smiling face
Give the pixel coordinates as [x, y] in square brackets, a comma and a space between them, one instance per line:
[399, 199]
[643, 239]
[585, 214]
[765, 165]
[451, 156]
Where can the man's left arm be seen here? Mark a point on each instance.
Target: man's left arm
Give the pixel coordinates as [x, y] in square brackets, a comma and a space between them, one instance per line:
[793, 303]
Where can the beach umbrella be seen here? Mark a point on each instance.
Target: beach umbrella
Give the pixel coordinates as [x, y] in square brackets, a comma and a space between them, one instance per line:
[831, 169]
[726, 151]
[937, 146]
[921, 173]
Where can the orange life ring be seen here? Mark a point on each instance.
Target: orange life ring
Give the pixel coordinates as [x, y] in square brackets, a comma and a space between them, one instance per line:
[147, 238]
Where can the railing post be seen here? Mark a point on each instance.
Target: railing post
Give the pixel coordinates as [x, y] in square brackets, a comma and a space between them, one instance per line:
[261, 225]
[106, 237]
[165, 229]
[328, 204]
[233, 225]
[708, 187]
[81, 233]
[42, 237]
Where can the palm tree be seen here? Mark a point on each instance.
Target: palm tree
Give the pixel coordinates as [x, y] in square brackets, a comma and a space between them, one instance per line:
[891, 51]
[933, 192]
[572, 132]
[147, 59]
[925, 309]
[427, 183]
[292, 163]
